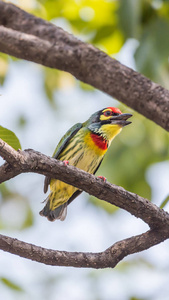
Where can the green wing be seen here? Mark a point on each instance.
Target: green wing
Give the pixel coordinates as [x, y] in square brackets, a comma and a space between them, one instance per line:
[61, 146]
[66, 138]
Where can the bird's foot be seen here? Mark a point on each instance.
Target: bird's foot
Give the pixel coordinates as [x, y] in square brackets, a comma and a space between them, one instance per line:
[102, 178]
[66, 162]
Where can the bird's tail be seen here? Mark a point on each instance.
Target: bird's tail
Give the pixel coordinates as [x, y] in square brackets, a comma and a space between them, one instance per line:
[58, 213]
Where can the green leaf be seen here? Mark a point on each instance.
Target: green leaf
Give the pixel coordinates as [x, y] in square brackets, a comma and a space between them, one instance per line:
[11, 284]
[165, 201]
[10, 138]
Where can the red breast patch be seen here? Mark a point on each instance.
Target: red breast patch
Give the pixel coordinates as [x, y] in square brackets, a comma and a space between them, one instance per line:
[99, 141]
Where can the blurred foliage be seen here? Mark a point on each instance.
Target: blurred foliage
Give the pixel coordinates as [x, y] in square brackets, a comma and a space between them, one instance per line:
[136, 298]
[10, 138]
[109, 208]
[15, 210]
[133, 262]
[22, 121]
[164, 203]
[3, 67]
[122, 268]
[10, 284]
[108, 24]
[53, 80]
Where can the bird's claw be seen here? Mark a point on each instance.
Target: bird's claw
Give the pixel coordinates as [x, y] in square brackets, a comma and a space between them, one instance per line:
[66, 162]
[102, 178]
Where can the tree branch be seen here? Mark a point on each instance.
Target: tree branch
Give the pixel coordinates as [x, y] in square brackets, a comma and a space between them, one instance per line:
[106, 259]
[9, 154]
[26, 36]
[33, 161]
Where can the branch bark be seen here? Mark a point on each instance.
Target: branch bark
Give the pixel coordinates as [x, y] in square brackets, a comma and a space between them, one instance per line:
[28, 37]
[106, 259]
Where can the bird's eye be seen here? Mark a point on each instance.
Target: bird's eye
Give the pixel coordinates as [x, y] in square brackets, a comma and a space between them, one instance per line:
[107, 113]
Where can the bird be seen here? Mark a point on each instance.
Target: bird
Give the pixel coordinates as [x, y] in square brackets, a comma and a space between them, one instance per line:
[84, 146]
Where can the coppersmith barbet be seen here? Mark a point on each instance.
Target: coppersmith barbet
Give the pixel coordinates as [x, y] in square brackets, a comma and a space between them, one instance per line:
[84, 146]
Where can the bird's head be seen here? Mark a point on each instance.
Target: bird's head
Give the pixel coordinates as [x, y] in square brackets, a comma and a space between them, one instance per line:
[108, 122]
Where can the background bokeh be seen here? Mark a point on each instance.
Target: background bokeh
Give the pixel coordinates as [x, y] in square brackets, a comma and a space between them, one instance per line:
[39, 104]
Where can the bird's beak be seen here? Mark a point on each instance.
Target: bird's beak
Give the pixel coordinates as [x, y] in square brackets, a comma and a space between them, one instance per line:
[121, 119]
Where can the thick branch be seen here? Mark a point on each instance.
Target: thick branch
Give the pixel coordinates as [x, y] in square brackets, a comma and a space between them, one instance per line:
[36, 162]
[106, 259]
[34, 39]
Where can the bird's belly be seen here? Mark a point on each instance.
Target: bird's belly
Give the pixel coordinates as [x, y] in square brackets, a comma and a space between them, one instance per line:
[85, 159]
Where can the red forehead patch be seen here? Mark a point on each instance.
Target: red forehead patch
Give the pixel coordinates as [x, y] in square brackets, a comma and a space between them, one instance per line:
[115, 110]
